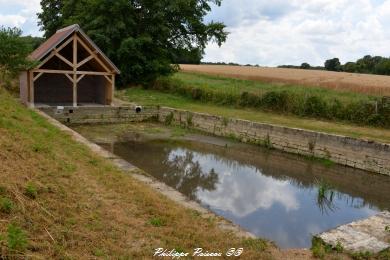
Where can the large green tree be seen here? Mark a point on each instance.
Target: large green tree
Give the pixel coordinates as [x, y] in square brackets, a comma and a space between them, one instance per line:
[13, 52]
[141, 36]
[333, 64]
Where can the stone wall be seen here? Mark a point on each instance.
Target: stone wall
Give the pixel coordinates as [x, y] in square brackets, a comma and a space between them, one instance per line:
[100, 115]
[360, 154]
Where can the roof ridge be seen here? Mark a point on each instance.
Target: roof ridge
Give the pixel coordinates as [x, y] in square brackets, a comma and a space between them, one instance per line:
[73, 26]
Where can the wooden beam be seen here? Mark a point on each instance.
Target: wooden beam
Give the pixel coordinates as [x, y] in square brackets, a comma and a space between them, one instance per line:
[108, 79]
[85, 61]
[80, 78]
[37, 76]
[74, 71]
[53, 71]
[69, 77]
[96, 73]
[113, 88]
[93, 54]
[31, 88]
[64, 59]
[54, 52]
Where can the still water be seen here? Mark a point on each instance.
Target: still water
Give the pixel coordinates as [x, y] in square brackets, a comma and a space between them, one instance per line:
[273, 195]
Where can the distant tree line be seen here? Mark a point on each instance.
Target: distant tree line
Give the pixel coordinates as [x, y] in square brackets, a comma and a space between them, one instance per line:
[222, 63]
[304, 66]
[368, 64]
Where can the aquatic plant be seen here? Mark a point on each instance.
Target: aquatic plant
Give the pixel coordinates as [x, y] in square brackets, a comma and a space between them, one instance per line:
[325, 197]
[169, 118]
[189, 119]
[268, 143]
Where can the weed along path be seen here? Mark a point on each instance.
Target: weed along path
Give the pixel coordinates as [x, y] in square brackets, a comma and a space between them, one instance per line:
[278, 196]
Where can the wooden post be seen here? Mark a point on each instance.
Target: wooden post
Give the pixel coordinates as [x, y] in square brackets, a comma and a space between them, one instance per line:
[112, 89]
[74, 71]
[31, 88]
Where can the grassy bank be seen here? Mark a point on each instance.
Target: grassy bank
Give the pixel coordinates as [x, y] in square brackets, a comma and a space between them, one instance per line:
[60, 201]
[151, 97]
[302, 101]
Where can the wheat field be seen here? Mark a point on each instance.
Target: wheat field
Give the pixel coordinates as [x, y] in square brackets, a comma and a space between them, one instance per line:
[362, 83]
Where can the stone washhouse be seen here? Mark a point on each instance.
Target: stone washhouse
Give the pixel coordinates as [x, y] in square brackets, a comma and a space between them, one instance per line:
[72, 71]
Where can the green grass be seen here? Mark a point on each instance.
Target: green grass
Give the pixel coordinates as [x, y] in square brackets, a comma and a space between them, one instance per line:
[6, 205]
[69, 203]
[237, 86]
[154, 98]
[302, 101]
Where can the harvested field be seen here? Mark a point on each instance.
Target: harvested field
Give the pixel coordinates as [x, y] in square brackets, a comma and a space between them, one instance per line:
[362, 83]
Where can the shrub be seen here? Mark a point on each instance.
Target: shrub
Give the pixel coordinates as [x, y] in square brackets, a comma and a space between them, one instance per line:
[157, 222]
[197, 93]
[319, 248]
[31, 191]
[315, 107]
[169, 118]
[249, 100]
[364, 112]
[189, 119]
[256, 244]
[13, 55]
[277, 101]
[16, 238]
[6, 205]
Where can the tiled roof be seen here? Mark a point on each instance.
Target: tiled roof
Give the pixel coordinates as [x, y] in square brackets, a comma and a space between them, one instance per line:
[59, 37]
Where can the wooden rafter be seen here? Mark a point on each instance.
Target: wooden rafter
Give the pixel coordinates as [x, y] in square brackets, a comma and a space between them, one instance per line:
[80, 78]
[63, 58]
[92, 53]
[69, 77]
[37, 76]
[81, 63]
[54, 52]
[108, 78]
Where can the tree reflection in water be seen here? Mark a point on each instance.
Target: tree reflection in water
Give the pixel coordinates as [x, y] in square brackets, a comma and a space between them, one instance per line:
[185, 173]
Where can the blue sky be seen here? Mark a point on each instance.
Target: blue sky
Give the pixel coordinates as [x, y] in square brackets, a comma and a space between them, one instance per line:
[274, 32]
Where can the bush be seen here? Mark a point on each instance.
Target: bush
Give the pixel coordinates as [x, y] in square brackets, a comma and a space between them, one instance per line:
[16, 238]
[31, 191]
[6, 205]
[315, 107]
[287, 101]
[249, 100]
[13, 53]
[157, 222]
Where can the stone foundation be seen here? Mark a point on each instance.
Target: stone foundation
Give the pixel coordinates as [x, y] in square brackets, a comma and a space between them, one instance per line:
[101, 114]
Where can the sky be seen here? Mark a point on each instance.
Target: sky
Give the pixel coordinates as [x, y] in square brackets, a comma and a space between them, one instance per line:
[271, 33]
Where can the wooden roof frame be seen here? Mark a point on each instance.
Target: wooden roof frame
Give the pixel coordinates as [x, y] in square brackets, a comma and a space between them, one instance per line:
[71, 35]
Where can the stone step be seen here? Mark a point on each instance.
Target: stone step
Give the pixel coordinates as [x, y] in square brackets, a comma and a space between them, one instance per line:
[367, 235]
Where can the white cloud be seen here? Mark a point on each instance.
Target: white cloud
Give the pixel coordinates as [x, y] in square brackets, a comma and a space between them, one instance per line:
[304, 31]
[274, 32]
[244, 195]
[12, 20]
[22, 14]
